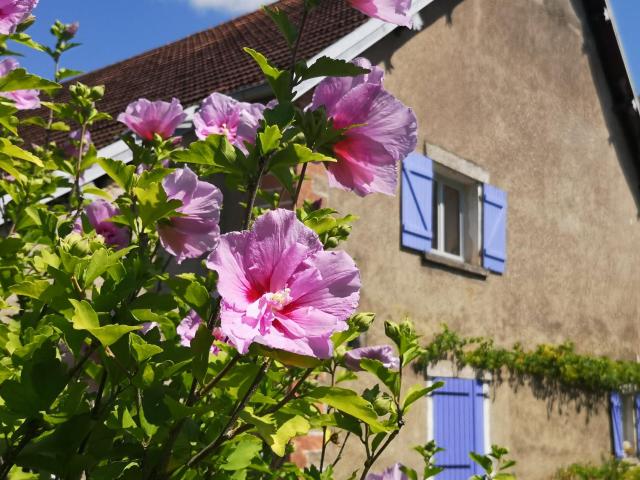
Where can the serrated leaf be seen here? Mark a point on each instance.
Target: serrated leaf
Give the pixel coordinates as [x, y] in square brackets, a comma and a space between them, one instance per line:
[101, 261]
[242, 453]
[417, 391]
[19, 79]
[270, 138]
[98, 192]
[295, 154]
[118, 171]
[65, 73]
[349, 402]
[85, 318]
[215, 151]
[389, 378]
[293, 427]
[279, 80]
[142, 350]
[482, 460]
[153, 203]
[14, 151]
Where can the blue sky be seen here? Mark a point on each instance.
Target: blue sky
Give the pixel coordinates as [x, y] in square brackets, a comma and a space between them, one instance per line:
[626, 14]
[112, 30]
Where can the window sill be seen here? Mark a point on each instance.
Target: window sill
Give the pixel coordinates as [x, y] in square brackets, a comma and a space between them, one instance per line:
[468, 268]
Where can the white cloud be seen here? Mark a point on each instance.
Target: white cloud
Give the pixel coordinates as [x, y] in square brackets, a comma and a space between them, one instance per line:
[231, 6]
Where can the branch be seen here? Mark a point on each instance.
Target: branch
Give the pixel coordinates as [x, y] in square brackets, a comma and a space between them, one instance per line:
[213, 446]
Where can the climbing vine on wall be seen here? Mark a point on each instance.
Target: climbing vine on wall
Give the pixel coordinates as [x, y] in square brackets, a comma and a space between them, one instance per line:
[553, 371]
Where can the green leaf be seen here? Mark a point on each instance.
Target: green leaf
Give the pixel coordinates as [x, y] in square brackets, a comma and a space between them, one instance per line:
[482, 460]
[31, 288]
[85, 318]
[26, 40]
[153, 203]
[293, 427]
[270, 138]
[118, 171]
[65, 73]
[14, 151]
[142, 350]
[277, 437]
[285, 26]
[332, 67]
[201, 347]
[7, 165]
[389, 378]
[98, 192]
[101, 261]
[295, 154]
[215, 151]
[279, 80]
[19, 79]
[417, 391]
[349, 402]
[242, 454]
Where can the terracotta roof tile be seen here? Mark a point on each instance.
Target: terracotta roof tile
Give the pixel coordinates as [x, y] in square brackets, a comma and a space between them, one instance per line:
[211, 60]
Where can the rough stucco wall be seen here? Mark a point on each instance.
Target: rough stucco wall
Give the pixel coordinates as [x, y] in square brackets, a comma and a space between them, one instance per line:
[515, 87]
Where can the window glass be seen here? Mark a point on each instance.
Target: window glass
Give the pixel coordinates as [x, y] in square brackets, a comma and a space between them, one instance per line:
[451, 200]
[434, 215]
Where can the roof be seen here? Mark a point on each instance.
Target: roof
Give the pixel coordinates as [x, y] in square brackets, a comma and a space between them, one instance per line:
[211, 60]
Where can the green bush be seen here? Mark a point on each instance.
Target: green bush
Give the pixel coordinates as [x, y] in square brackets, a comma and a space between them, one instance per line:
[609, 470]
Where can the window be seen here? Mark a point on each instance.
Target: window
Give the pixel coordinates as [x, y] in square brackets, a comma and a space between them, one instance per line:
[448, 218]
[625, 424]
[452, 215]
[458, 422]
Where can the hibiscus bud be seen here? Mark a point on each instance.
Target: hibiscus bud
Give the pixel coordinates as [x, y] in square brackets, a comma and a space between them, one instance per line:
[72, 28]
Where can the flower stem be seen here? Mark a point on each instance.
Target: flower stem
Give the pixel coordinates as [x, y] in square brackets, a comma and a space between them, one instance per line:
[299, 186]
[296, 46]
[214, 381]
[11, 455]
[75, 191]
[254, 186]
[213, 446]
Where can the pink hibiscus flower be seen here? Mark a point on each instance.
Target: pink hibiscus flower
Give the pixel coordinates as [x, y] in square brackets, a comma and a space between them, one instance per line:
[147, 118]
[279, 287]
[23, 99]
[13, 13]
[383, 353]
[222, 115]
[188, 327]
[98, 213]
[392, 11]
[369, 153]
[196, 231]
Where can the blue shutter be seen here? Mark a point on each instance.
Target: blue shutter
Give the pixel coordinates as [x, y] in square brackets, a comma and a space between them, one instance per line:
[638, 424]
[458, 426]
[616, 424]
[417, 197]
[494, 228]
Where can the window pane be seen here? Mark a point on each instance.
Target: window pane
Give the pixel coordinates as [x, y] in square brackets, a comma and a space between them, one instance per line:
[434, 216]
[451, 198]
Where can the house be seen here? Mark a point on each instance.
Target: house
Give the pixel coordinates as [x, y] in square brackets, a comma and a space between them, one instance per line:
[518, 214]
